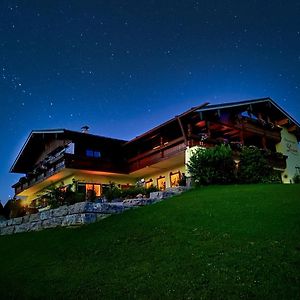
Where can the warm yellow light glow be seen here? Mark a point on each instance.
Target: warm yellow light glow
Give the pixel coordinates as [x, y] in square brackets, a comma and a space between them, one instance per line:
[97, 189]
[161, 183]
[24, 202]
[148, 183]
[174, 179]
[93, 187]
[97, 172]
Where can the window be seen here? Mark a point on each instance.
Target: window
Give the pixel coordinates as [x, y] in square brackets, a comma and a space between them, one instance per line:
[87, 187]
[93, 187]
[148, 183]
[89, 153]
[70, 148]
[161, 183]
[97, 154]
[93, 153]
[175, 179]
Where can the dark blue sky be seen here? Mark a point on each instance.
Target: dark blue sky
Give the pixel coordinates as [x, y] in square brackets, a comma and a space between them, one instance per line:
[123, 67]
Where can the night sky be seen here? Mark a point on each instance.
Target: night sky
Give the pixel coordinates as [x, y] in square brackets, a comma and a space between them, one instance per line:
[123, 67]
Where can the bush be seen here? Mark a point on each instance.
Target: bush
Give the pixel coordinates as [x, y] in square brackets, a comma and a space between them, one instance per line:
[1, 209]
[54, 197]
[14, 209]
[274, 177]
[111, 192]
[254, 167]
[296, 178]
[151, 189]
[132, 192]
[182, 181]
[58, 196]
[212, 166]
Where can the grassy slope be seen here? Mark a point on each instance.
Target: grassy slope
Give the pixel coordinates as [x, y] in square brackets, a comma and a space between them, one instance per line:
[224, 242]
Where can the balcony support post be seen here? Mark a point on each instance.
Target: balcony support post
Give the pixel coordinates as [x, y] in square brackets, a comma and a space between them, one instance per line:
[182, 130]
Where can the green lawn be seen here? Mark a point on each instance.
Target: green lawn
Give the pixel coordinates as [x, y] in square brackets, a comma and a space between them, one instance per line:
[224, 242]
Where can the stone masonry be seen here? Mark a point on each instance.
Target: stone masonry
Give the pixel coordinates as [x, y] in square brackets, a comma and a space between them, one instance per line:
[79, 213]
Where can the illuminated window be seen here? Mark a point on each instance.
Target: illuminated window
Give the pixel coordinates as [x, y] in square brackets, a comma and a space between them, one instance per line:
[93, 187]
[161, 183]
[97, 189]
[175, 179]
[148, 183]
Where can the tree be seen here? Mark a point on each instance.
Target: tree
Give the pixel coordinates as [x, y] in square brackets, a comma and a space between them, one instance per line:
[1, 210]
[62, 195]
[253, 166]
[14, 209]
[212, 166]
[111, 192]
[296, 178]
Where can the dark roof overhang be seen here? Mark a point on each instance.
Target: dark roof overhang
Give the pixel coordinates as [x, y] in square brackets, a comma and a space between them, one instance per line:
[32, 146]
[173, 120]
[268, 103]
[35, 144]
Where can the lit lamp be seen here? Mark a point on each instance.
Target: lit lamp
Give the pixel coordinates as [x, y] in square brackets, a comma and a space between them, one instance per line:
[237, 161]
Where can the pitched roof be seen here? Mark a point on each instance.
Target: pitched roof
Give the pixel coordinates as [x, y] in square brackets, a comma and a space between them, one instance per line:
[249, 102]
[32, 142]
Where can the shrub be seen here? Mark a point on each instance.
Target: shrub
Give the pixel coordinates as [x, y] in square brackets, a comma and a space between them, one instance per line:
[212, 166]
[58, 196]
[132, 192]
[274, 177]
[54, 196]
[296, 178]
[182, 181]
[90, 195]
[151, 189]
[1, 209]
[78, 197]
[111, 192]
[254, 167]
[14, 209]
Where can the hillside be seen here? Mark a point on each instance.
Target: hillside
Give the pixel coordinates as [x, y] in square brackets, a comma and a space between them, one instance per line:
[222, 242]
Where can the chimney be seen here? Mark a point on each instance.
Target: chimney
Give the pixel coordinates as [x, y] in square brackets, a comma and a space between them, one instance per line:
[85, 129]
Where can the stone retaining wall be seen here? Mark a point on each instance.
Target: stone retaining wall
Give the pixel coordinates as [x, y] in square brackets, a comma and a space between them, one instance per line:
[79, 213]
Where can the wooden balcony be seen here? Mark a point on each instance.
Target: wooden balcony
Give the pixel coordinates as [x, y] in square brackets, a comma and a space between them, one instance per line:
[157, 155]
[273, 134]
[116, 165]
[276, 160]
[38, 177]
[69, 161]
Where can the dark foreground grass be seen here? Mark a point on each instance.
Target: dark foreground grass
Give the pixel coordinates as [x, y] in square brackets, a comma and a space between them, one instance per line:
[225, 242]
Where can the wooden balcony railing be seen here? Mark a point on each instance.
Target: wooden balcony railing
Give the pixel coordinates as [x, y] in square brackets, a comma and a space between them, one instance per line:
[39, 177]
[156, 155]
[276, 160]
[69, 161]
